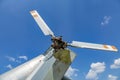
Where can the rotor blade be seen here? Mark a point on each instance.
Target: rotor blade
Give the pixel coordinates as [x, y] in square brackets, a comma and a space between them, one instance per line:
[45, 29]
[93, 46]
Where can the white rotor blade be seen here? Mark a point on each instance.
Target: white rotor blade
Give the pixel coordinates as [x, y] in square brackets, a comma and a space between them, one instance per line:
[93, 46]
[45, 29]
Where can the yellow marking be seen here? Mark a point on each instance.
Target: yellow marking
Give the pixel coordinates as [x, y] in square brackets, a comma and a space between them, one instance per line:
[34, 14]
[114, 47]
[105, 46]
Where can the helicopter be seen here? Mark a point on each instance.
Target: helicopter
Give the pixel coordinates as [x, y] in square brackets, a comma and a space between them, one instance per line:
[53, 64]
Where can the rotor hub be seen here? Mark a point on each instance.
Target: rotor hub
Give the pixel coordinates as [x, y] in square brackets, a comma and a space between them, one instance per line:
[58, 43]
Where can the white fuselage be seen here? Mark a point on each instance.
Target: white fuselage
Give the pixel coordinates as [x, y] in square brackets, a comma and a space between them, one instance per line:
[43, 67]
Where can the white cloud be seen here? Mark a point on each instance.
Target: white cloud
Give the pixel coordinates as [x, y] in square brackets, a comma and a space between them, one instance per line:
[116, 64]
[96, 68]
[106, 20]
[17, 60]
[9, 66]
[71, 72]
[23, 57]
[10, 58]
[111, 77]
[92, 75]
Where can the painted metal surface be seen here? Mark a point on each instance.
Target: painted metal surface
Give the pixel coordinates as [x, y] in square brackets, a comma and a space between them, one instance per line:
[43, 67]
[60, 66]
[43, 26]
[93, 46]
[23, 71]
[52, 69]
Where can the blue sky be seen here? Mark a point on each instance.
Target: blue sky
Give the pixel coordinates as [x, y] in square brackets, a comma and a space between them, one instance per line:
[95, 21]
